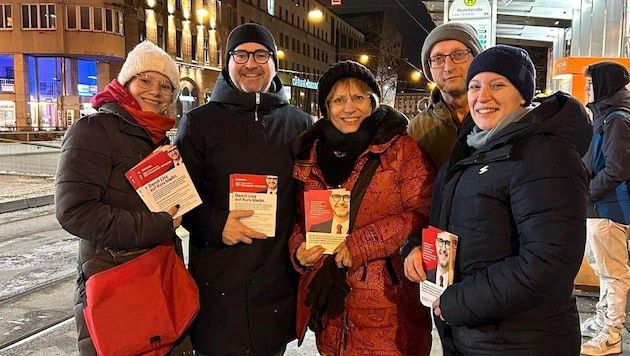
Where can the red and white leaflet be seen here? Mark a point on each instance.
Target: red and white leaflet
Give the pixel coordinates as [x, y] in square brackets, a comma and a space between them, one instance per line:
[438, 261]
[326, 218]
[258, 193]
[163, 182]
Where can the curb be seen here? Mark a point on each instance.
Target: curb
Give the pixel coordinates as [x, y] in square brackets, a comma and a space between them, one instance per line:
[26, 203]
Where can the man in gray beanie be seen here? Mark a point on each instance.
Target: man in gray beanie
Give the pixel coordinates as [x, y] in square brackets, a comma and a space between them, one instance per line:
[446, 55]
[246, 282]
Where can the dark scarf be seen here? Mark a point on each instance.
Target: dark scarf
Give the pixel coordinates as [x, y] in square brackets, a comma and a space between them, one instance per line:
[156, 124]
[337, 152]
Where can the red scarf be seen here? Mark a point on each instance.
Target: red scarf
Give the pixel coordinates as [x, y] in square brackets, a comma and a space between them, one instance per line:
[156, 124]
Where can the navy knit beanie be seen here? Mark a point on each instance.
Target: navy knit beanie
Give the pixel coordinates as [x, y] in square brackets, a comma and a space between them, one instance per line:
[511, 62]
[340, 70]
[251, 32]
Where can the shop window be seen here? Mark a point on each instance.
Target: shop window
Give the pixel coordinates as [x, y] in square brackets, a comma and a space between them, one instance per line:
[7, 78]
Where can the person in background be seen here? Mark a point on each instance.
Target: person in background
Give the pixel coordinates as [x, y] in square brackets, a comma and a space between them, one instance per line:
[446, 55]
[608, 162]
[93, 199]
[371, 308]
[514, 191]
[246, 284]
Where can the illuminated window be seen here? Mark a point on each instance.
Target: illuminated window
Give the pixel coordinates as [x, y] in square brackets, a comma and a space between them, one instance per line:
[6, 19]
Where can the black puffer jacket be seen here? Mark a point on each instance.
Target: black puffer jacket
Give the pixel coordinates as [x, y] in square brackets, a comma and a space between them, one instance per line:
[247, 292]
[518, 205]
[94, 200]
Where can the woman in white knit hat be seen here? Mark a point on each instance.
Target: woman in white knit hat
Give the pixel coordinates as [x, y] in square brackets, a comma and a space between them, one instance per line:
[94, 200]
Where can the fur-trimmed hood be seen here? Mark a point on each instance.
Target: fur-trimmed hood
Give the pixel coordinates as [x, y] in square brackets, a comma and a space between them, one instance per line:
[393, 124]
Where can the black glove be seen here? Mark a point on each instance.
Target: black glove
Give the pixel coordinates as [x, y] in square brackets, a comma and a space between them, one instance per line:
[327, 292]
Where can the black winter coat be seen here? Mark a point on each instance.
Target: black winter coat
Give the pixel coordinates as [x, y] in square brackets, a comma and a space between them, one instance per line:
[247, 292]
[518, 205]
[94, 200]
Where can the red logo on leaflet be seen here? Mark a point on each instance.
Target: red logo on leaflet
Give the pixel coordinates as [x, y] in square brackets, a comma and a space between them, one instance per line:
[335, 2]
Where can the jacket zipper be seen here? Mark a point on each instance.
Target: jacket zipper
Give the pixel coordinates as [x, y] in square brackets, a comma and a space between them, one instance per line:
[257, 104]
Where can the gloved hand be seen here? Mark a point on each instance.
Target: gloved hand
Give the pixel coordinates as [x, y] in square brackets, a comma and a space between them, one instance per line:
[327, 292]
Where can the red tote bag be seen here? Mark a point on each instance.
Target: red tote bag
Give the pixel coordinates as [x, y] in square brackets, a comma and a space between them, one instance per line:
[141, 307]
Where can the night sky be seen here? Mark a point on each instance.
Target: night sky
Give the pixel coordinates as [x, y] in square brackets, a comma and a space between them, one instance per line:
[409, 15]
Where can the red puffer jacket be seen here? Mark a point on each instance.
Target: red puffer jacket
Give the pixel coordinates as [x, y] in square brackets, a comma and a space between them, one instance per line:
[382, 314]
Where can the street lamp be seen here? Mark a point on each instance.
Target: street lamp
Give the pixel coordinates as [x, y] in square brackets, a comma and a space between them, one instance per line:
[315, 15]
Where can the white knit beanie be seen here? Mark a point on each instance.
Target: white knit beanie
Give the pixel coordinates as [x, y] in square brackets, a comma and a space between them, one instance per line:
[147, 57]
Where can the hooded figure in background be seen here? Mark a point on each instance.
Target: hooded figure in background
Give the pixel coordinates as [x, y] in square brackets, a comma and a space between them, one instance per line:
[608, 163]
[514, 192]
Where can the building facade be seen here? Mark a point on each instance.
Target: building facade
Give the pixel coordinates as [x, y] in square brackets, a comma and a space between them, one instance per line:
[56, 55]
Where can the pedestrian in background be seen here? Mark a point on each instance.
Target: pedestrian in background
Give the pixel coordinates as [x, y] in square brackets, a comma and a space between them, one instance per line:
[514, 192]
[357, 300]
[246, 284]
[93, 199]
[446, 55]
[608, 162]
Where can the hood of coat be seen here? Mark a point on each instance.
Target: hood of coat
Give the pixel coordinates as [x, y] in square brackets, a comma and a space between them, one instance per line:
[226, 93]
[608, 78]
[601, 108]
[559, 115]
[394, 123]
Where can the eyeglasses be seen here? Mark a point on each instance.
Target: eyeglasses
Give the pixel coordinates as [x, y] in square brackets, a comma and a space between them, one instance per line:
[146, 82]
[356, 99]
[337, 197]
[459, 56]
[260, 56]
[441, 243]
[589, 84]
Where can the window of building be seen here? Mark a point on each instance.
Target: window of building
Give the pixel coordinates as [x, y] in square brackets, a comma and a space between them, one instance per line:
[6, 19]
[98, 19]
[193, 48]
[86, 78]
[219, 56]
[108, 20]
[206, 53]
[178, 43]
[39, 16]
[178, 5]
[142, 30]
[85, 18]
[160, 36]
[7, 76]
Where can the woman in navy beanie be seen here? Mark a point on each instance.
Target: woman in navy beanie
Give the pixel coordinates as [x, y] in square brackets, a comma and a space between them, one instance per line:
[514, 191]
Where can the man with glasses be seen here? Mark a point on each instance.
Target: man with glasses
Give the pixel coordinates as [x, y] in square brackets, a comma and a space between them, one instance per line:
[439, 275]
[339, 201]
[246, 284]
[608, 215]
[446, 55]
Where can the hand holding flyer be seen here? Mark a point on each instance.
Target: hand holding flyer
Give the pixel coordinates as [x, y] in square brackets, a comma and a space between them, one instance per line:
[327, 218]
[162, 181]
[258, 193]
[438, 260]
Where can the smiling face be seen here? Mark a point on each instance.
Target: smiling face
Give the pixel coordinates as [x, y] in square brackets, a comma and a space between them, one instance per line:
[149, 90]
[349, 103]
[251, 77]
[443, 248]
[491, 97]
[340, 203]
[451, 78]
[272, 182]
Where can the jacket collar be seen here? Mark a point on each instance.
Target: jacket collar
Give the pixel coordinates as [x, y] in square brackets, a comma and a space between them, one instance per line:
[226, 93]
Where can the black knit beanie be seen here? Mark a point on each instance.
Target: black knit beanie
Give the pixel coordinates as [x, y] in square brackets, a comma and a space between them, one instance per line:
[251, 32]
[344, 69]
[511, 62]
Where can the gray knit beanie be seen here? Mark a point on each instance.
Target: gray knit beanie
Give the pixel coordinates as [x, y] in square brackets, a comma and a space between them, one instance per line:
[461, 32]
[344, 69]
[251, 32]
[147, 57]
[511, 62]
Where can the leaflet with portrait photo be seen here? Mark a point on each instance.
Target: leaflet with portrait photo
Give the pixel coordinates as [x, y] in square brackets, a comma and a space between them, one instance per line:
[327, 217]
[162, 181]
[439, 249]
[258, 193]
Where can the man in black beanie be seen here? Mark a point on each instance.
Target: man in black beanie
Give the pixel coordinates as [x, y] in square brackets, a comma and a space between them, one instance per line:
[608, 215]
[246, 283]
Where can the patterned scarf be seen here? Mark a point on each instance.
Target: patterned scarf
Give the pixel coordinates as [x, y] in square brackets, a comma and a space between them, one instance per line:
[156, 124]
